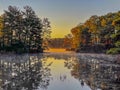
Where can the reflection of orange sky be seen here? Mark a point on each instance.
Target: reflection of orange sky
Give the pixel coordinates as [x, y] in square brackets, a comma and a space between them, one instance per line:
[57, 66]
[57, 50]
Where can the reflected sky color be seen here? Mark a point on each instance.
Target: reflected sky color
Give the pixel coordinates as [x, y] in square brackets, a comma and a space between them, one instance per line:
[61, 78]
[65, 14]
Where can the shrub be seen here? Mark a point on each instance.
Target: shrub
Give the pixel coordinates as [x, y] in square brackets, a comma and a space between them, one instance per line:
[117, 44]
[113, 51]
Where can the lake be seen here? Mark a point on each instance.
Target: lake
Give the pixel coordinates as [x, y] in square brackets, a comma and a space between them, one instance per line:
[58, 71]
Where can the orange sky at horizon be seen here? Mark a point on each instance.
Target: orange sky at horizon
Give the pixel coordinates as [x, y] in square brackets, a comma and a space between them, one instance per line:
[61, 28]
[59, 31]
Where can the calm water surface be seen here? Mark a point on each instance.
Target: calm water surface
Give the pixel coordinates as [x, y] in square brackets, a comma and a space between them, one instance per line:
[57, 72]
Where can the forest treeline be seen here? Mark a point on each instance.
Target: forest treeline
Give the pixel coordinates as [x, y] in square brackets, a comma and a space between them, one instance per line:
[99, 34]
[22, 30]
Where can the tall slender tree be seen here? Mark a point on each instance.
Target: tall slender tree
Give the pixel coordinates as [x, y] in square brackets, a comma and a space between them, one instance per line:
[46, 32]
[12, 19]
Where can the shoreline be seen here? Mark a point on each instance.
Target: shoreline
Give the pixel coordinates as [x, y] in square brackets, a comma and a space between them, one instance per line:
[115, 59]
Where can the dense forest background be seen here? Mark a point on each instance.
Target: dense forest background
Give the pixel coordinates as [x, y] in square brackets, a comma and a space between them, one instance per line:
[99, 34]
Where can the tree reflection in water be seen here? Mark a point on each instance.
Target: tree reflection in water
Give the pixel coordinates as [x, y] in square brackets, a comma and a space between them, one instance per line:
[35, 72]
[98, 74]
[24, 72]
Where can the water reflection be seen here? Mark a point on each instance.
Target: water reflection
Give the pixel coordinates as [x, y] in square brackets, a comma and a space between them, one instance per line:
[24, 72]
[98, 74]
[57, 72]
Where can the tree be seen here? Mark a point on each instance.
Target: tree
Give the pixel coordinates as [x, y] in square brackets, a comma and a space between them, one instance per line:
[116, 38]
[103, 22]
[101, 32]
[1, 32]
[86, 36]
[68, 41]
[46, 31]
[1, 26]
[32, 29]
[93, 25]
[22, 31]
[56, 42]
[76, 32]
[12, 19]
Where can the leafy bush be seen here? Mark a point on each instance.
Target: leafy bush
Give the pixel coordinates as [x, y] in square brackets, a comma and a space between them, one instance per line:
[113, 51]
[117, 44]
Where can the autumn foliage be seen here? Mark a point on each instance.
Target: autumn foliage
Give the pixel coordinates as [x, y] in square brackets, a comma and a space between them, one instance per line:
[98, 34]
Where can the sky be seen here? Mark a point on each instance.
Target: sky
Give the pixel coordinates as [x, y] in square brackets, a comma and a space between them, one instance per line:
[65, 14]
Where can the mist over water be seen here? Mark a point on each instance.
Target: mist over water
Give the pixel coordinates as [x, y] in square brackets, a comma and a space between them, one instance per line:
[57, 71]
